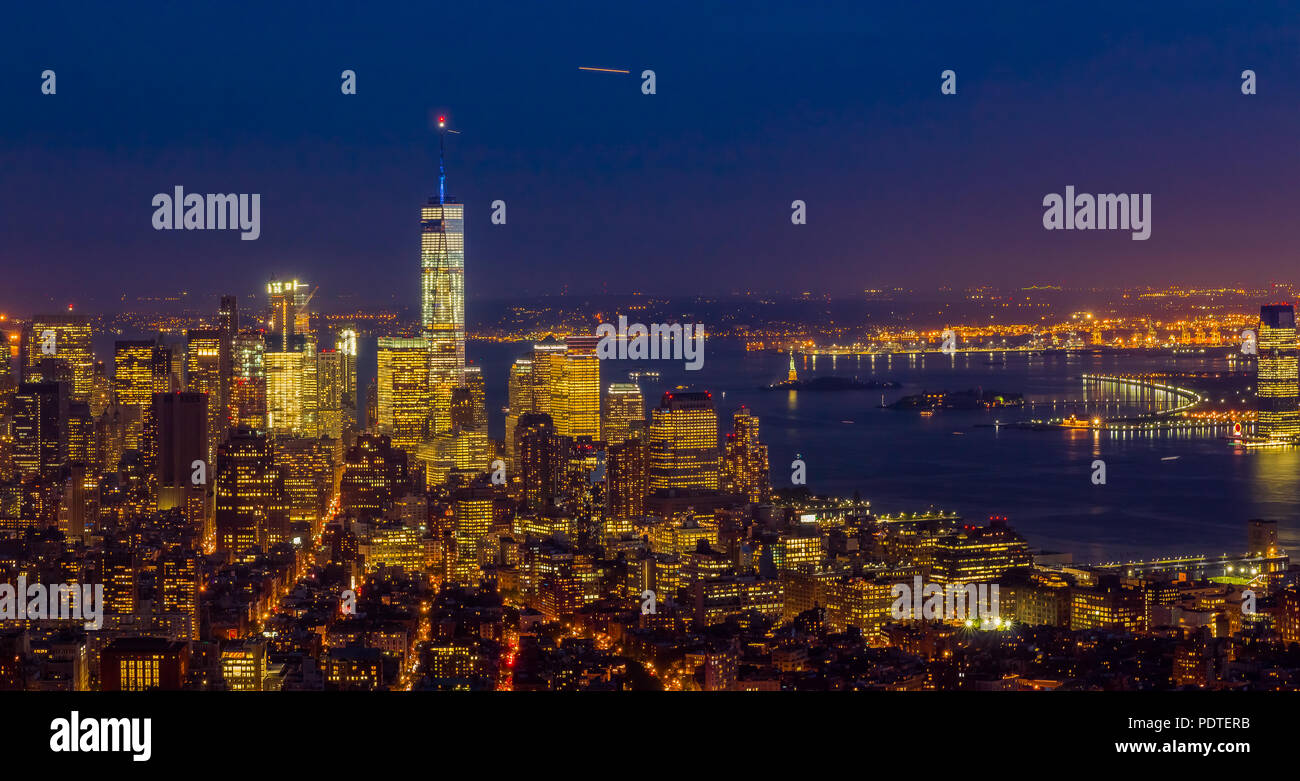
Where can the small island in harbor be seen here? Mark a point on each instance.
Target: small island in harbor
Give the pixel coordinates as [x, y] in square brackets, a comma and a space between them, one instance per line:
[967, 399]
[792, 382]
[830, 384]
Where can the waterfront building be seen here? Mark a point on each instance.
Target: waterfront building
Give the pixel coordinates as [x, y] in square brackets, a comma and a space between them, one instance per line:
[442, 293]
[1277, 387]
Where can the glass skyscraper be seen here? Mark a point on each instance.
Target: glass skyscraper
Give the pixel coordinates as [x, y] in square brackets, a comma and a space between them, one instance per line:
[442, 299]
[1278, 384]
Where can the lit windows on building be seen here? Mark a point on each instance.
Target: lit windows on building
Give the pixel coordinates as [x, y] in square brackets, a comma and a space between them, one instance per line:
[624, 409]
[1277, 387]
[683, 445]
[403, 390]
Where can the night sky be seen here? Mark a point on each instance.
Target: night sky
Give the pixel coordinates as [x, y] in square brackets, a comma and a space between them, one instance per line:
[685, 191]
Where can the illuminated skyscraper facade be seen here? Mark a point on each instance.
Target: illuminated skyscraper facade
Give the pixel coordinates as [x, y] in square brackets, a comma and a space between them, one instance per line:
[60, 340]
[203, 348]
[374, 474]
[477, 387]
[578, 399]
[331, 376]
[248, 380]
[683, 447]
[284, 392]
[403, 390]
[309, 477]
[626, 479]
[471, 521]
[541, 452]
[624, 406]
[251, 507]
[346, 346]
[442, 296]
[40, 428]
[141, 369]
[1278, 384]
[548, 367]
[289, 315]
[520, 394]
[744, 460]
[566, 383]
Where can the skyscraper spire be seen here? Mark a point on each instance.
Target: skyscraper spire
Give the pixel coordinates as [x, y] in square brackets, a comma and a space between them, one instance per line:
[442, 290]
[442, 164]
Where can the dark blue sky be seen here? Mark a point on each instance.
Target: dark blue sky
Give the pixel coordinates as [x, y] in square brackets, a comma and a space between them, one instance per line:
[685, 191]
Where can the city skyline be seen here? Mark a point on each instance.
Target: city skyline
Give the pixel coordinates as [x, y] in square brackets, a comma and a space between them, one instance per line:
[854, 124]
[836, 349]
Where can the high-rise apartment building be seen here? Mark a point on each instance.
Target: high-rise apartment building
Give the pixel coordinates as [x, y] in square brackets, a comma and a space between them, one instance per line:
[541, 459]
[626, 479]
[309, 482]
[744, 460]
[477, 388]
[624, 406]
[331, 393]
[375, 474]
[471, 521]
[520, 394]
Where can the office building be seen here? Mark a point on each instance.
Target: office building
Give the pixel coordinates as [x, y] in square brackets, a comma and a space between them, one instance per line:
[251, 509]
[683, 445]
[1277, 388]
[404, 392]
[60, 340]
[442, 296]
